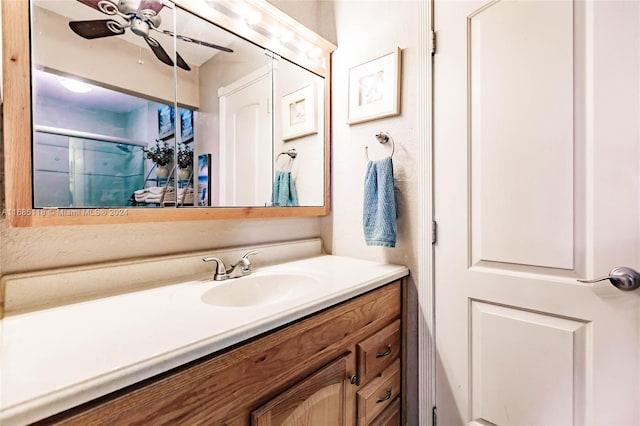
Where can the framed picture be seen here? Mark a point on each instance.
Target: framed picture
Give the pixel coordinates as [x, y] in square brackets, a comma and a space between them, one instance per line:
[204, 180]
[166, 121]
[374, 88]
[299, 117]
[186, 125]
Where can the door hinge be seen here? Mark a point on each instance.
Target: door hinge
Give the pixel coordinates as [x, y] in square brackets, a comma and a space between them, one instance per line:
[433, 43]
[434, 232]
[434, 416]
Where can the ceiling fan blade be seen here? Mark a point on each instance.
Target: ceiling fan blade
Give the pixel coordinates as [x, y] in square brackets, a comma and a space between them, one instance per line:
[163, 56]
[91, 3]
[153, 5]
[108, 7]
[200, 42]
[97, 28]
[204, 43]
[181, 63]
[159, 51]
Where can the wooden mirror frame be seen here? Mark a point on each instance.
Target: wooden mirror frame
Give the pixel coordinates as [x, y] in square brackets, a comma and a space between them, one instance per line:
[17, 121]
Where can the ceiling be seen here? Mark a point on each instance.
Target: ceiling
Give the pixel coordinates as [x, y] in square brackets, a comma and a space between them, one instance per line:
[186, 24]
[48, 84]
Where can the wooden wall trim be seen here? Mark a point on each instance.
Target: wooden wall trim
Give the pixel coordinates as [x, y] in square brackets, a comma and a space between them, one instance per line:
[16, 77]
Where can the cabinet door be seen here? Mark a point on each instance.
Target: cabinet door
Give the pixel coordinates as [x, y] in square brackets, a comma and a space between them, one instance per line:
[319, 400]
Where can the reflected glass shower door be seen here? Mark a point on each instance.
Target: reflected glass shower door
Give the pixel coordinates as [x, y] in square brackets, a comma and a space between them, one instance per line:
[80, 172]
[104, 174]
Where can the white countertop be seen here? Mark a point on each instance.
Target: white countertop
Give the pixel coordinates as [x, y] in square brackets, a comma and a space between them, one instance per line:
[55, 359]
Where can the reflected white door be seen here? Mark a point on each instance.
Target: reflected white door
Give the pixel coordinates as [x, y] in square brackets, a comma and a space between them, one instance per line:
[537, 182]
[245, 141]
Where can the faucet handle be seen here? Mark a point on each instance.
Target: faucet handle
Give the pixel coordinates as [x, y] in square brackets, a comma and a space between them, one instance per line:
[250, 253]
[246, 264]
[221, 270]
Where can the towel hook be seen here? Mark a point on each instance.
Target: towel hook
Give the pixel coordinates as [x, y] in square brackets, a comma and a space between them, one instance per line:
[292, 153]
[382, 137]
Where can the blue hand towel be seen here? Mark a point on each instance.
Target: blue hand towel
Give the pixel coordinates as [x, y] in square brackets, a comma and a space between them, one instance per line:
[284, 190]
[379, 218]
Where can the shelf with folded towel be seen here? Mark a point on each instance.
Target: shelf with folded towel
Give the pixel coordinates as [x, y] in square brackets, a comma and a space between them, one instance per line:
[164, 196]
[164, 193]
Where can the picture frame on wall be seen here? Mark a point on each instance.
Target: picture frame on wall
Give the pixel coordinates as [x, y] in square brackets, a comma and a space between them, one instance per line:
[299, 115]
[204, 180]
[374, 88]
[166, 121]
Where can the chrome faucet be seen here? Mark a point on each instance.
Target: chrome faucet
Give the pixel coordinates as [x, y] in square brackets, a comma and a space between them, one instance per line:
[239, 269]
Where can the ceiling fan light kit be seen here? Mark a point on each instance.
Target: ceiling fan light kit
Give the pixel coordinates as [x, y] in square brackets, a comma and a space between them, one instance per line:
[141, 16]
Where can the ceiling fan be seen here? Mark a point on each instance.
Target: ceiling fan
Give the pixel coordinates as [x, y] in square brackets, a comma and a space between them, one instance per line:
[141, 16]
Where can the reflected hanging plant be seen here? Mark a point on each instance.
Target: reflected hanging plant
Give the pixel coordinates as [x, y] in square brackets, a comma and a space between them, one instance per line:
[185, 156]
[161, 155]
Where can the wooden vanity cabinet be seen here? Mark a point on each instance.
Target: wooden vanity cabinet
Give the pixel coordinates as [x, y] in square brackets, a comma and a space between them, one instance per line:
[341, 366]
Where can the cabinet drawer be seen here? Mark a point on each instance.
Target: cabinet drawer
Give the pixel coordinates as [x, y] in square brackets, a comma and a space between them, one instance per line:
[390, 416]
[378, 394]
[378, 351]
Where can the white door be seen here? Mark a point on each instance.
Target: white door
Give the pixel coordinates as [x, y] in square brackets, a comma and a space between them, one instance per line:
[245, 141]
[536, 183]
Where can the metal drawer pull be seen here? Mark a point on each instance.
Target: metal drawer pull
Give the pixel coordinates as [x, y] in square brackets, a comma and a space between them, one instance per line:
[385, 353]
[385, 397]
[353, 379]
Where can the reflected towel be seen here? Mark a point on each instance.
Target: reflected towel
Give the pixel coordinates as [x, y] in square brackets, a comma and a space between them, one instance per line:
[379, 215]
[155, 189]
[284, 190]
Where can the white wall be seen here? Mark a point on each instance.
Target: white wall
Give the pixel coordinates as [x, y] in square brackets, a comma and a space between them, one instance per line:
[221, 70]
[307, 168]
[358, 43]
[139, 122]
[29, 249]
[207, 122]
[67, 115]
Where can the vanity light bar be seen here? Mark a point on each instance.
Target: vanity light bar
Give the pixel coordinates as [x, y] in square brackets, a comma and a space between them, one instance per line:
[284, 34]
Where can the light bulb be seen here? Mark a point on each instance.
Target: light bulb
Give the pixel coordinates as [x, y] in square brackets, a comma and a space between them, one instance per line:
[252, 18]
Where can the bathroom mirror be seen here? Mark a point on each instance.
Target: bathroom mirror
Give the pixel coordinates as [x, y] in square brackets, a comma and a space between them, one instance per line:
[142, 106]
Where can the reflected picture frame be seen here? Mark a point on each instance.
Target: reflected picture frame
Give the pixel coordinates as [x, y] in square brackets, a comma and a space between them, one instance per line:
[374, 88]
[299, 115]
[186, 125]
[166, 121]
[204, 180]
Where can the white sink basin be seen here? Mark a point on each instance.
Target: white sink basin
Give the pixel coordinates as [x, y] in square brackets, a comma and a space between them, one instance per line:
[262, 289]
